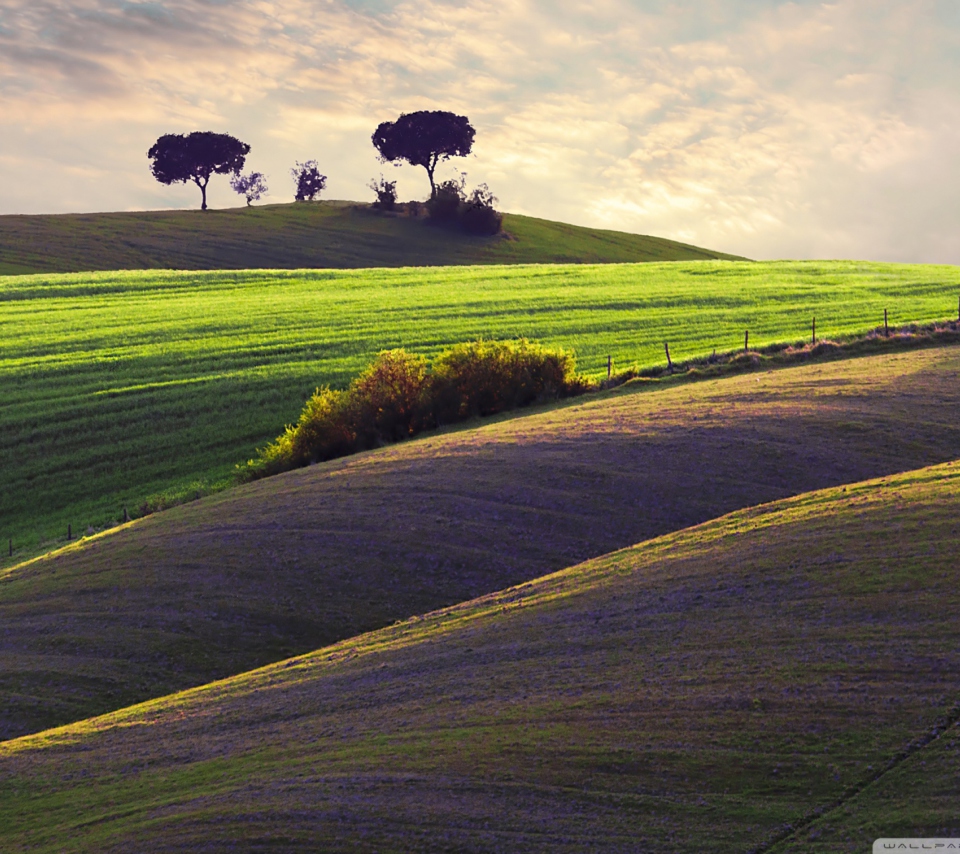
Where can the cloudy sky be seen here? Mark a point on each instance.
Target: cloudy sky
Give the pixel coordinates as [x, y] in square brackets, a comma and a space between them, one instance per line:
[771, 129]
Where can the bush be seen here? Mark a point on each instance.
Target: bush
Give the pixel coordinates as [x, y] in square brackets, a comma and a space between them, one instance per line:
[475, 213]
[388, 398]
[444, 206]
[486, 377]
[386, 193]
[397, 397]
[308, 179]
[478, 215]
[323, 432]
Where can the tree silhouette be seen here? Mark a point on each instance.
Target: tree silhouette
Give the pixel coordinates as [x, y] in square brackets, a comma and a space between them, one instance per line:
[179, 158]
[424, 139]
[308, 179]
[252, 186]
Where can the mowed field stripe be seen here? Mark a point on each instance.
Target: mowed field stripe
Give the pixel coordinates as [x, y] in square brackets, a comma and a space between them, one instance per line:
[138, 388]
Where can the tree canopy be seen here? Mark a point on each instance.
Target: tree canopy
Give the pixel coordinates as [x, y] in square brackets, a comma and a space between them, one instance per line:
[178, 158]
[424, 138]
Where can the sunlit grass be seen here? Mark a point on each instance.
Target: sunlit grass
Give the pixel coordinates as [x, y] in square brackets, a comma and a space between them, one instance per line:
[120, 386]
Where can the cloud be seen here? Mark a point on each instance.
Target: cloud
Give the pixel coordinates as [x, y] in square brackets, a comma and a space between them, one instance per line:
[759, 127]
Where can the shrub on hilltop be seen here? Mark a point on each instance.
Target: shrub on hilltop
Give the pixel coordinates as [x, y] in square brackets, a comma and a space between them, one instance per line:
[386, 193]
[399, 395]
[309, 182]
[444, 205]
[475, 212]
[478, 215]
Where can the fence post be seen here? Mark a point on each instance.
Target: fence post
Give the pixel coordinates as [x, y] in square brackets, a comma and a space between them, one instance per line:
[609, 366]
[126, 516]
[814, 329]
[746, 341]
[666, 348]
[886, 328]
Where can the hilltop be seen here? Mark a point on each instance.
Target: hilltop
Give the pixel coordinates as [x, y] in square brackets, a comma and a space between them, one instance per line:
[304, 235]
[721, 688]
[293, 562]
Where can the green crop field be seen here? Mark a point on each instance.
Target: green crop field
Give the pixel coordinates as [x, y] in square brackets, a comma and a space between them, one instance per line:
[294, 562]
[316, 234]
[119, 386]
[729, 686]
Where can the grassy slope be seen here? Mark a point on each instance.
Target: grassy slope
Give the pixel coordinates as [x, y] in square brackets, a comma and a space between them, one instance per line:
[293, 562]
[697, 692]
[327, 234]
[917, 798]
[121, 385]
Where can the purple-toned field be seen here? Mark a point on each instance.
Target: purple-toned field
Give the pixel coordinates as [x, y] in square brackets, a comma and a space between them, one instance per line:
[716, 689]
[292, 563]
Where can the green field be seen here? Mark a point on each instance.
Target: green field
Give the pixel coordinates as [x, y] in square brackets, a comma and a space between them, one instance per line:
[715, 689]
[321, 234]
[294, 562]
[670, 616]
[119, 386]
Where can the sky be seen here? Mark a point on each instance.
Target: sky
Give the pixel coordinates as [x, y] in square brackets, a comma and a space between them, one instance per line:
[761, 128]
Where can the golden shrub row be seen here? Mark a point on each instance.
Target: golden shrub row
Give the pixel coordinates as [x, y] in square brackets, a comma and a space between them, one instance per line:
[401, 394]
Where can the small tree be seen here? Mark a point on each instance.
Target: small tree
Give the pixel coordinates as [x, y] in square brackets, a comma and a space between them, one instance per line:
[308, 179]
[424, 138]
[253, 186]
[179, 158]
[386, 193]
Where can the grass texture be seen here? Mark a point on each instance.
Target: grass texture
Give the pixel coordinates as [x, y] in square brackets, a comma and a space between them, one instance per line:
[321, 234]
[721, 688]
[124, 389]
[294, 562]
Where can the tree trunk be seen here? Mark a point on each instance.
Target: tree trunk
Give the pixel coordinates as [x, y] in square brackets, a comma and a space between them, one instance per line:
[433, 187]
[203, 191]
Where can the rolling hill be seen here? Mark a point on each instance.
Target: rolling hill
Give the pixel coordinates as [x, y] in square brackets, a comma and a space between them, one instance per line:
[322, 234]
[729, 687]
[124, 389]
[291, 563]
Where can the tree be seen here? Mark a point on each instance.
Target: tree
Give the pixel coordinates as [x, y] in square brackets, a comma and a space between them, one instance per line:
[252, 186]
[179, 158]
[309, 180]
[424, 139]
